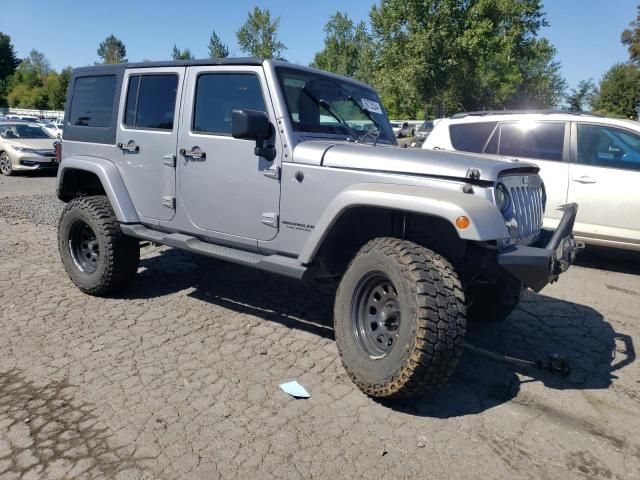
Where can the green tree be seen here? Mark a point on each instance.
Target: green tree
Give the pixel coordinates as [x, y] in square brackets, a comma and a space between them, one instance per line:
[56, 85]
[31, 70]
[217, 49]
[26, 86]
[630, 38]
[619, 92]
[258, 36]
[348, 48]
[35, 84]
[442, 56]
[23, 96]
[178, 54]
[112, 50]
[582, 96]
[8, 59]
[8, 64]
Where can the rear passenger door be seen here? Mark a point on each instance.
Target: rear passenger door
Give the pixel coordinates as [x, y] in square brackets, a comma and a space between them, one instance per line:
[546, 144]
[147, 138]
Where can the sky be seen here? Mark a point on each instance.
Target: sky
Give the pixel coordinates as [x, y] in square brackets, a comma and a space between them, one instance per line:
[586, 33]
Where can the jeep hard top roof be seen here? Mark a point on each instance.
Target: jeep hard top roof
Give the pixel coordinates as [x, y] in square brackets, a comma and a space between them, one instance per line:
[172, 63]
[119, 68]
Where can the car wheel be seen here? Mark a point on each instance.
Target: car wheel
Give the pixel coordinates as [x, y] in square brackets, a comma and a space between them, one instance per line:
[5, 164]
[399, 319]
[98, 257]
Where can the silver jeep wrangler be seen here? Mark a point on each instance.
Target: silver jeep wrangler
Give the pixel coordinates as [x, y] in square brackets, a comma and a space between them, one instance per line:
[297, 171]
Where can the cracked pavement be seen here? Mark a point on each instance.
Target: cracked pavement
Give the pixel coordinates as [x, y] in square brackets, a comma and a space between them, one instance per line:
[177, 377]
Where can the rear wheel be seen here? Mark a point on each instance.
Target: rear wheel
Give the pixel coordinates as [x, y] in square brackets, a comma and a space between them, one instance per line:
[399, 319]
[96, 255]
[5, 164]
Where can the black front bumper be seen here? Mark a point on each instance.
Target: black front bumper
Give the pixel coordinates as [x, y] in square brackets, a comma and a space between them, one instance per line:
[540, 264]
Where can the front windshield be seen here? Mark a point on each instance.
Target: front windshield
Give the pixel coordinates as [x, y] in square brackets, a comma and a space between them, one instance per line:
[23, 131]
[428, 125]
[322, 104]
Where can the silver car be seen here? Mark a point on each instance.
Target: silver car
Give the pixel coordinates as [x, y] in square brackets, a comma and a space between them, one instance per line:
[583, 158]
[25, 146]
[297, 172]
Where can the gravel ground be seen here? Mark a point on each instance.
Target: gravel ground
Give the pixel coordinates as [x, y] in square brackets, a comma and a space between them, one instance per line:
[177, 377]
[41, 209]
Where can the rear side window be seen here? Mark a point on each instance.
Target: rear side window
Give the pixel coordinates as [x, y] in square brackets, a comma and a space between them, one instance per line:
[151, 101]
[92, 103]
[218, 94]
[471, 137]
[526, 139]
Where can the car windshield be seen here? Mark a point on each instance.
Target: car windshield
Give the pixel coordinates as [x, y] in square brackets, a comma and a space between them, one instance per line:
[323, 104]
[428, 125]
[23, 131]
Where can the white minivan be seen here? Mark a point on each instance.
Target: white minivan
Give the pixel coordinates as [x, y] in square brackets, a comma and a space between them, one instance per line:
[583, 158]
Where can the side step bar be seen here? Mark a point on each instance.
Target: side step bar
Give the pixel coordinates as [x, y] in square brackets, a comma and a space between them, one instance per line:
[270, 263]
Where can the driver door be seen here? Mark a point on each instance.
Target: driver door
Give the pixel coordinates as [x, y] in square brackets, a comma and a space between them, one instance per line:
[604, 179]
[225, 188]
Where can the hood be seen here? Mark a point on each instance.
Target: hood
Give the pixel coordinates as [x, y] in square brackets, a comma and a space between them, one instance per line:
[37, 143]
[435, 163]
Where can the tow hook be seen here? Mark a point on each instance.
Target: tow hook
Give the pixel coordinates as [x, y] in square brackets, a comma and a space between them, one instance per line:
[553, 363]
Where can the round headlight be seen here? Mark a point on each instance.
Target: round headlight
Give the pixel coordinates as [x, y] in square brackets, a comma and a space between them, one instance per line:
[503, 199]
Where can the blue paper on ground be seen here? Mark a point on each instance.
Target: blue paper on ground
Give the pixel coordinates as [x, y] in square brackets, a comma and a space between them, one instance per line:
[295, 389]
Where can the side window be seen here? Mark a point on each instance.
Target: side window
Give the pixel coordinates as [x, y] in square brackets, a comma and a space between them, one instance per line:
[471, 137]
[218, 94]
[92, 101]
[151, 101]
[608, 147]
[541, 140]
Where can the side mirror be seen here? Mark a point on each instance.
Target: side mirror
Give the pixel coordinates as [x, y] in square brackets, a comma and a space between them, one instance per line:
[253, 125]
[250, 125]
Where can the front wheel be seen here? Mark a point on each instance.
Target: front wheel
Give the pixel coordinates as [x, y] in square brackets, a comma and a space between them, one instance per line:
[97, 256]
[399, 319]
[6, 168]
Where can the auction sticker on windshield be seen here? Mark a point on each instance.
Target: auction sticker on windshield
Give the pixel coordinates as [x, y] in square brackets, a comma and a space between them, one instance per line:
[371, 106]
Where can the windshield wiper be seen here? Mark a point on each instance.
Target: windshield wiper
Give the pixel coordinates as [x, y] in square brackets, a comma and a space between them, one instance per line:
[324, 104]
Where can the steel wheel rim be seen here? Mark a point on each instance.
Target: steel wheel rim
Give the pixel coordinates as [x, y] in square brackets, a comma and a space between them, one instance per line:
[5, 163]
[84, 247]
[375, 315]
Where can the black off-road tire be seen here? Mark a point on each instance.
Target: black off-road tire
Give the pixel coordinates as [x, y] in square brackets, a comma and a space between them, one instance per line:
[431, 327]
[494, 303]
[117, 257]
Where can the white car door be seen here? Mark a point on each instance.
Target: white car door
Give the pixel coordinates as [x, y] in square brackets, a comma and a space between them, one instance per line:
[604, 180]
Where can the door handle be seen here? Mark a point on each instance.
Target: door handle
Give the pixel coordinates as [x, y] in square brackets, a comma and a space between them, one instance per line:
[585, 179]
[194, 153]
[130, 147]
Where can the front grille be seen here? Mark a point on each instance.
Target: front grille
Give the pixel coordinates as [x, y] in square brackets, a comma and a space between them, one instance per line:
[528, 210]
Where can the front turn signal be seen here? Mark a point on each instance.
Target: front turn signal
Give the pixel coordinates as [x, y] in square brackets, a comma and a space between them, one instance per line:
[463, 222]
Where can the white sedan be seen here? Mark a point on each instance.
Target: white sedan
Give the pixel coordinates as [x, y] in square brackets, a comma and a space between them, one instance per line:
[54, 129]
